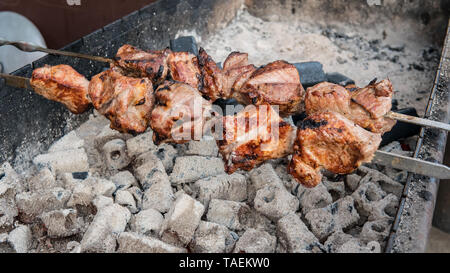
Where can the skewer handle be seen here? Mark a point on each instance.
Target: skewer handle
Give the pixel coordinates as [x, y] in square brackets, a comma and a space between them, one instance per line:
[27, 47]
[16, 81]
[419, 121]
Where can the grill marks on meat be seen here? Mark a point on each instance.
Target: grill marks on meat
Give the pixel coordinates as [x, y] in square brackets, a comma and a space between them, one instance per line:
[329, 140]
[127, 102]
[213, 77]
[63, 84]
[140, 63]
[184, 67]
[182, 114]
[277, 83]
[253, 136]
[363, 106]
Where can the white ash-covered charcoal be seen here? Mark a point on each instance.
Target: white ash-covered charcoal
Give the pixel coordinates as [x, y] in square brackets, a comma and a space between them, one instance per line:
[70, 141]
[372, 202]
[140, 144]
[147, 222]
[227, 187]
[43, 180]
[336, 240]
[32, 205]
[73, 247]
[313, 198]
[158, 193]
[90, 129]
[182, 220]
[192, 168]
[212, 238]
[107, 134]
[100, 186]
[376, 231]
[62, 223]
[354, 246]
[101, 201]
[86, 191]
[70, 180]
[18, 240]
[260, 177]
[130, 242]
[385, 182]
[146, 166]
[67, 161]
[255, 241]
[9, 176]
[124, 180]
[82, 195]
[336, 189]
[339, 215]
[166, 153]
[126, 199]
[295, 237]
[8, 209]
[137, 194]
[103, 231]
[231, 214]
[115, 154]
[205, 147]
[275, 202]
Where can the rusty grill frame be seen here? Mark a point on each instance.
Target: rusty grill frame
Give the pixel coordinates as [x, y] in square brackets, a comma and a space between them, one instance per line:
[427, 140]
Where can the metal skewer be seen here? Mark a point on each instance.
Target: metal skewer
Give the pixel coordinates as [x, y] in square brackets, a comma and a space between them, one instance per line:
[27, 47]
[383, 158]
[418, 121]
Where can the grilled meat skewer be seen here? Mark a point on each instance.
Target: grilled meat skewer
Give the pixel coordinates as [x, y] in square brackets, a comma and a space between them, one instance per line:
[162, 68]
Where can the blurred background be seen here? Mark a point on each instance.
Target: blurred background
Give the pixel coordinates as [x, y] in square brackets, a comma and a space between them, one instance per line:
[54, 23]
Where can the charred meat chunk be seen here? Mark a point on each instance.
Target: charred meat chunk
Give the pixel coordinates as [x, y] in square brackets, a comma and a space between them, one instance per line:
[63, 84]
[126, 101]
[330, 141]
[139, 63]
[277, 83]
[333, 97]
[183, 67]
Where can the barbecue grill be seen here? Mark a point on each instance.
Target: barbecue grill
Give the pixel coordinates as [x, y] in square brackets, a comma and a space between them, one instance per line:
[29, 123]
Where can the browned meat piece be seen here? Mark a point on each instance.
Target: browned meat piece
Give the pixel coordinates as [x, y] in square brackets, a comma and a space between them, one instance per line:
[181, 114]
[253, 136]
[213, 77]
[127, 102]
[63, 84]
[376, 98]
[140, 63]
[277, 83]
[333, 97]
[237, 71]
[184, 67]
[329, 140]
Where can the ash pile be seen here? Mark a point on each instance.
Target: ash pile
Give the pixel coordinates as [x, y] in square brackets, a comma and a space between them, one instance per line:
[97, 190]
